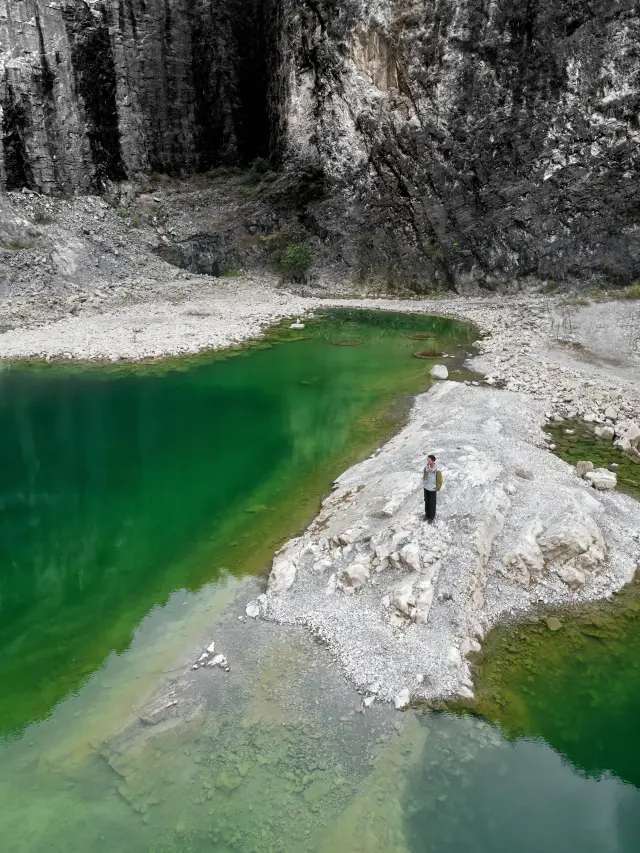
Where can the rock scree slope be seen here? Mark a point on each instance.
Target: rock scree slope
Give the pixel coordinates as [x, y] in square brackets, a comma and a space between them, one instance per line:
[459, 144]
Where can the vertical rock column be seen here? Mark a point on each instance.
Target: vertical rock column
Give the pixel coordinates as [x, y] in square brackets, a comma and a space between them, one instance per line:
[43, 143]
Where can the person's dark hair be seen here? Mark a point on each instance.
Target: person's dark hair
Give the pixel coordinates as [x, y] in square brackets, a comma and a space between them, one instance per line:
[432, 457]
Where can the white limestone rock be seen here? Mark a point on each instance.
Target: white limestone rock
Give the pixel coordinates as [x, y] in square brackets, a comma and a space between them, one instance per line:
[573, 577]
[283, 573]
[605, 432]
[401, 597]
[454, 658]
[410, 556]
[526, 561]
[469, 644]
[601, 479]
[402, 699]
[573, 539]
[424, 600]
[351, 579]
[583, 467]
[252, 610]
[439, 371]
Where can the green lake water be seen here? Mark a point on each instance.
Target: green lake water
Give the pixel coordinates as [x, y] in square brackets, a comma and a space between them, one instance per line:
[136, 505]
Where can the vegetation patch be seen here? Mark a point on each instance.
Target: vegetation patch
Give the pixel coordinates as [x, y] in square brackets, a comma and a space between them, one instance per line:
[295, 261]
[570, 677]
[17, 244]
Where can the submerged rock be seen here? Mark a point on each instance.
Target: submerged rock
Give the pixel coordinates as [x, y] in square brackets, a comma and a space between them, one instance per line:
[252, 609]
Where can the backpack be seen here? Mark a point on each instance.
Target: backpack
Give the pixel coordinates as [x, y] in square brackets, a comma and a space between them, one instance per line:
[438, 480]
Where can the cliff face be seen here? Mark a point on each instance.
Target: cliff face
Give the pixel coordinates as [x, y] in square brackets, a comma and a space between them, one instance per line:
[486, 138]
[94, 90]
[465, 142]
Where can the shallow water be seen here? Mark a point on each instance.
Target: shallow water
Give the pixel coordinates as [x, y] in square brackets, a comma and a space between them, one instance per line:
[582, 444]
[131, 500]
[156, 479]
[569, 701]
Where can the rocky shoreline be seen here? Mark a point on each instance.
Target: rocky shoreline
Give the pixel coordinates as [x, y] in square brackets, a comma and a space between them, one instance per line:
[400, 604]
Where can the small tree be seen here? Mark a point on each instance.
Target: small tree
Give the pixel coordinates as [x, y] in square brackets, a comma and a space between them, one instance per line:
[295, 261]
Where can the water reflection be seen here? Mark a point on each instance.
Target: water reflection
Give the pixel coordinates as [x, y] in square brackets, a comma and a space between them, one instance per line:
[118, 488]
[499, 797]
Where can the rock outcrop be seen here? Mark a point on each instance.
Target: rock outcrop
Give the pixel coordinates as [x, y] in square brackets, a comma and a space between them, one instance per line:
[486, 140]
[401, 602]
[97, 90]
[461, 143]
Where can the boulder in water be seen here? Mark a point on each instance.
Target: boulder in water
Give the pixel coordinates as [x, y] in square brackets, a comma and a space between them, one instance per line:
[439, 371]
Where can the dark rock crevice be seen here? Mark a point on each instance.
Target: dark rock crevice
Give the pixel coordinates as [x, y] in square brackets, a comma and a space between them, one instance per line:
[17, 171]
[95, 80]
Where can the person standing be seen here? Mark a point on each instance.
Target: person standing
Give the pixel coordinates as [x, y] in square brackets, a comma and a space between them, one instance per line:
[432, 483]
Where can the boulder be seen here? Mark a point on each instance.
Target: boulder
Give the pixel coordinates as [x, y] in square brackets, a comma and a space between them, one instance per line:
[283, 573]
[424, 600]
[573, 578]
[401, 701]
[401, 597]
[583, 467]
[454, 658]
[633, 434]
[353, 578]
[605, 432]
[601, 479]
[574, 540]
[410, 556]
[469, 645]
[439, 371]
[525, 561]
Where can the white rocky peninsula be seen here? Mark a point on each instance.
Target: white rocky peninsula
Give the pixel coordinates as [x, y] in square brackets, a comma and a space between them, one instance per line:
[401, 603]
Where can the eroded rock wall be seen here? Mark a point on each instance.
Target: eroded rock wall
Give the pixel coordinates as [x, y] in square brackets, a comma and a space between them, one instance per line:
[487, 138]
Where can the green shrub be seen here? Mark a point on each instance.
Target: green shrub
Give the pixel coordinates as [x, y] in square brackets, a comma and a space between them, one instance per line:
[633, 291]
[577, 301]
[295, 261]
[551, 286]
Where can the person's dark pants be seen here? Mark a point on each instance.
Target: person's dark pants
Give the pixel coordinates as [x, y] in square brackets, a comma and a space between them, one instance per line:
[430, 504]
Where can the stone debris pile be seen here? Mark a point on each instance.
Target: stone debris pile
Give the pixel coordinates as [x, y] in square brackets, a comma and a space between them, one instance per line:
[210, 659]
